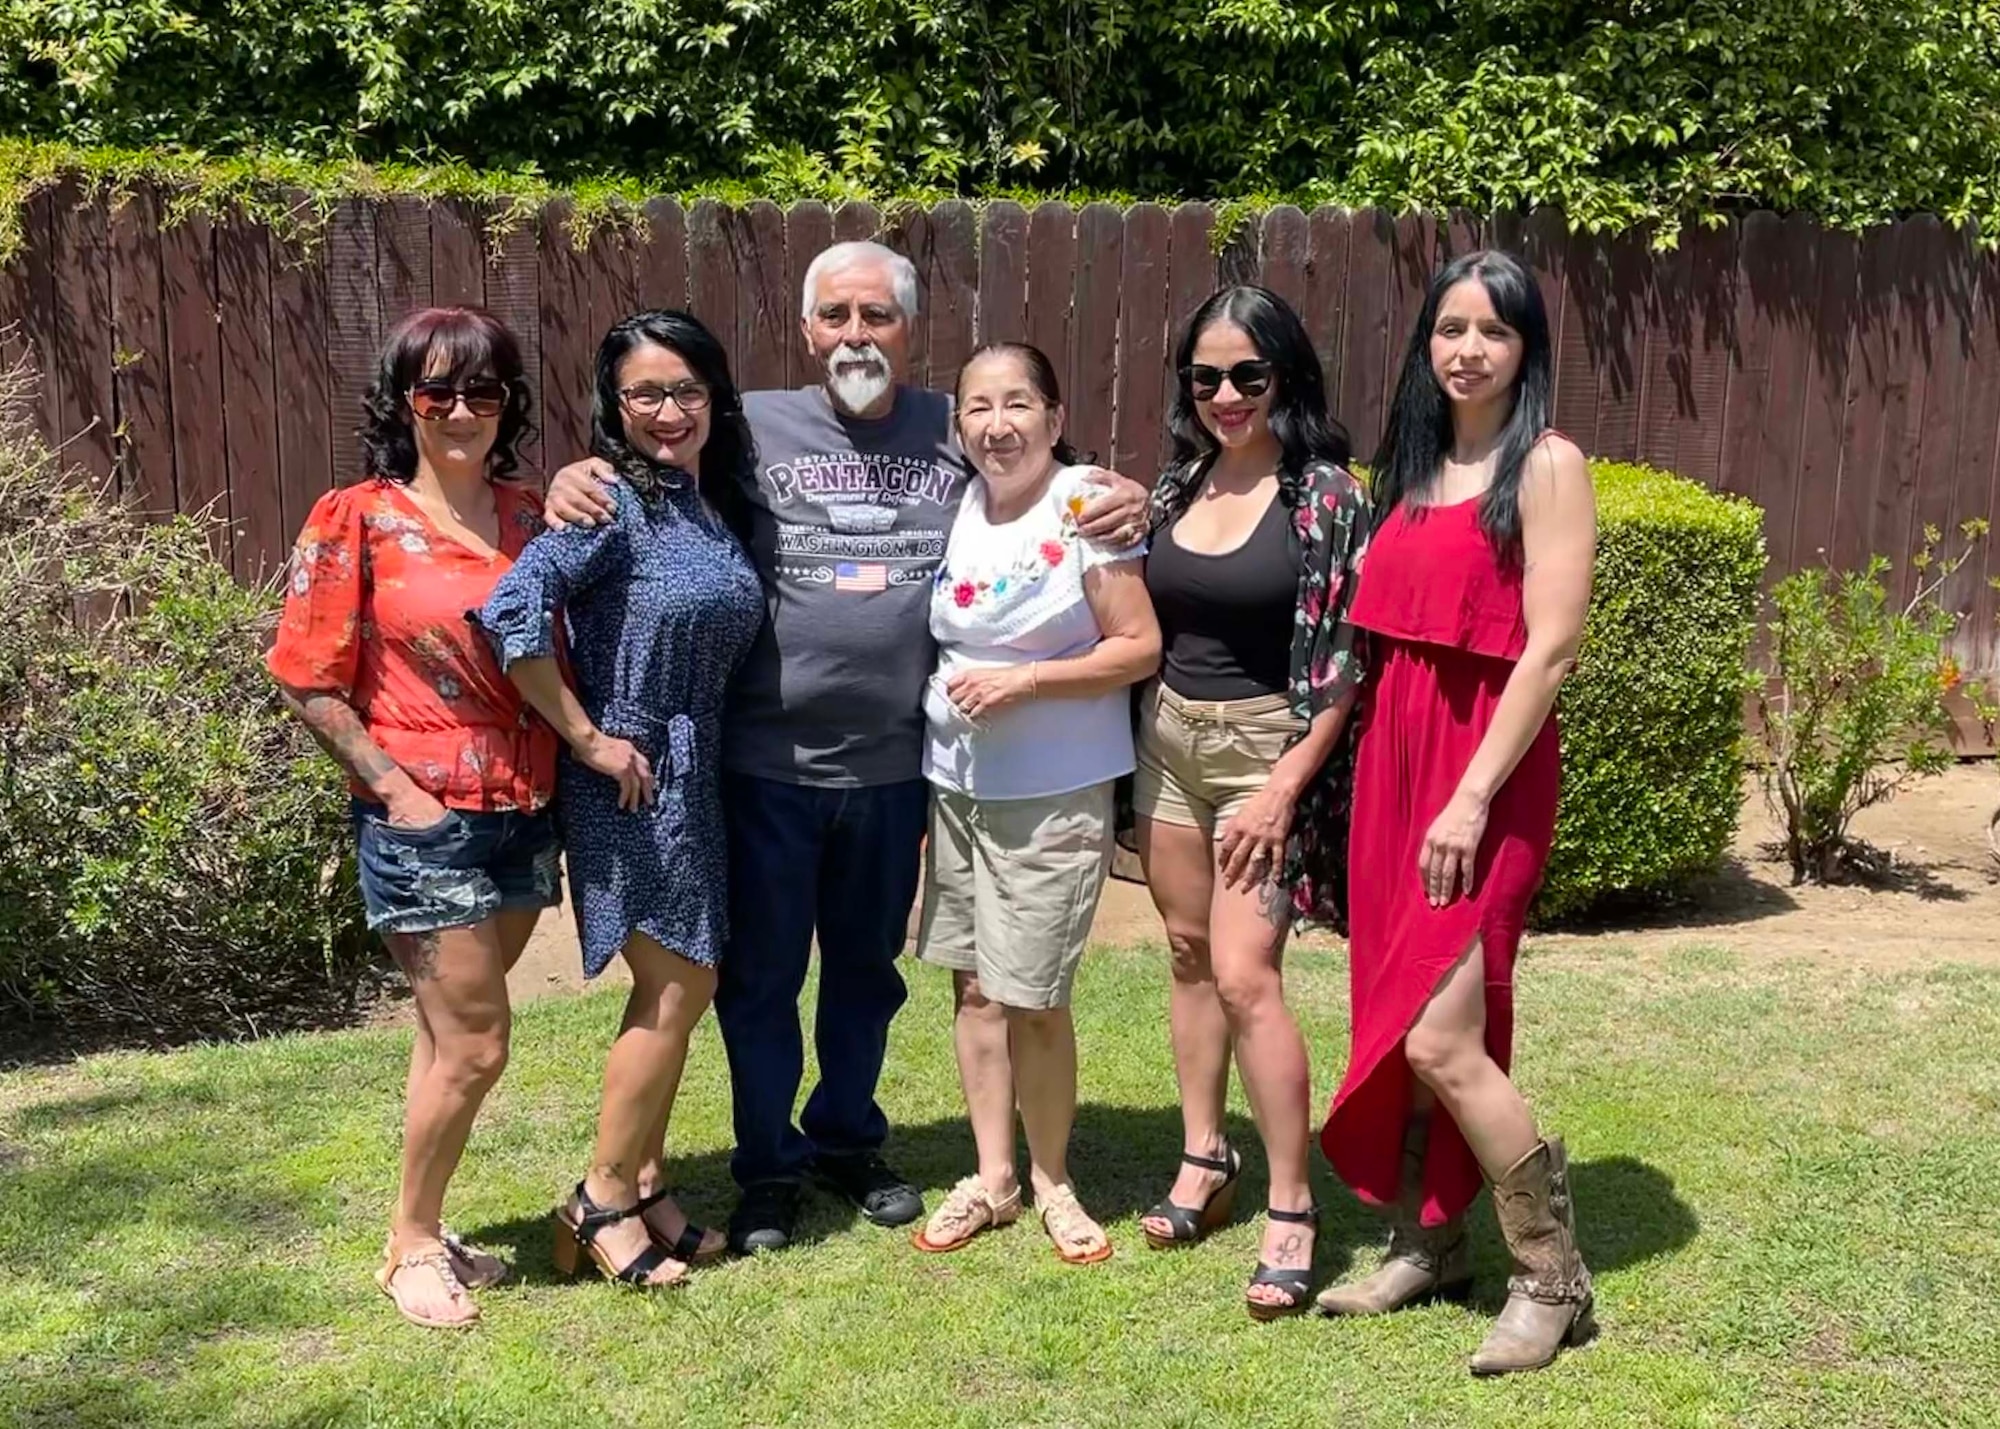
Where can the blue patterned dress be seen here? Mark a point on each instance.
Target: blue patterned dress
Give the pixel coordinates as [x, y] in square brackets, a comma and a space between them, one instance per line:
[660, 606]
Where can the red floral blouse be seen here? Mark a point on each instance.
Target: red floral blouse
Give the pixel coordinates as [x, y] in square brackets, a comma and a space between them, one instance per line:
[375, 612]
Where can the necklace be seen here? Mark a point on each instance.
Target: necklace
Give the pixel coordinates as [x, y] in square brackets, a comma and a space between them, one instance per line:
[438, 500]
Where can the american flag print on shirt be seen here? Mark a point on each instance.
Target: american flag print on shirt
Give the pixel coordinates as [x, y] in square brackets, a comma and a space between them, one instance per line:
[847, 576]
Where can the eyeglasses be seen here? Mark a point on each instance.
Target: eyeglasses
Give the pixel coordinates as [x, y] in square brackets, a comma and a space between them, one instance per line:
[645, 399]
[1251, 378]
[433, 399]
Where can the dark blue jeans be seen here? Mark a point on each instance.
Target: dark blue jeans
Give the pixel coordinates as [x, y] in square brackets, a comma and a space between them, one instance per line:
[842, 863]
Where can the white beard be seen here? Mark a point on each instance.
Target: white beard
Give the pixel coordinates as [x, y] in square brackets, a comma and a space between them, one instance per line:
[858, 377]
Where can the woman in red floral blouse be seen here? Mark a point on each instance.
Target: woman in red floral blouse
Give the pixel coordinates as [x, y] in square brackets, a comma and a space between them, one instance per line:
[451, 773]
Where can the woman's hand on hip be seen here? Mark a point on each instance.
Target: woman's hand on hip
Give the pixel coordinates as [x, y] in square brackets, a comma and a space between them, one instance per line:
[1252, 848]
[418, 809]
[620, 759]
[982, 693]
[1451, 848]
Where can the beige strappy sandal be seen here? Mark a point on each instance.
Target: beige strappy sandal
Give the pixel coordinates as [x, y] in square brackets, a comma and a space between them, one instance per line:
[477, 1269]
[968, 1210]
[1069, 1224]
[439, 1263]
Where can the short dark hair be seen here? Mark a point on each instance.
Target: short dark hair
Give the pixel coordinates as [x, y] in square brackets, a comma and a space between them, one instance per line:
[455, 344]
[1419, 430]
[728, 461]
[1305, 429]
[1041, 376]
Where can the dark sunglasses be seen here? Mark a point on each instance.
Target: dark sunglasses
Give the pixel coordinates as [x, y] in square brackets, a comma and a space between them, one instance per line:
[645, 399]
[1251, 378]
[433, 399]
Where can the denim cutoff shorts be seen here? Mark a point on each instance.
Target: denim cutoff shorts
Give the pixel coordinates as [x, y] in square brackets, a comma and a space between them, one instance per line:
[457, 872]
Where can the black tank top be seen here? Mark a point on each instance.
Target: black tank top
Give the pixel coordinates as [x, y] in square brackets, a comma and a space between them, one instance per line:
[1226, 620]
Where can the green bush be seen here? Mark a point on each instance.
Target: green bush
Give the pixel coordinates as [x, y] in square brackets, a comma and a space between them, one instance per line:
[1652, 719]
[1854, 709]
[1618, 113]
[173, 852]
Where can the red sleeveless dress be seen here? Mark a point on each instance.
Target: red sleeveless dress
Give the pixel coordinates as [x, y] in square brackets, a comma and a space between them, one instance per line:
[1447, 628]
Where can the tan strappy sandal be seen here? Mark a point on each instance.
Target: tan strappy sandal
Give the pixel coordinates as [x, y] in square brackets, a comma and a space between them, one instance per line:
[439, 1263]
[477, 1269]
[968, 1210]
[1068, 1223]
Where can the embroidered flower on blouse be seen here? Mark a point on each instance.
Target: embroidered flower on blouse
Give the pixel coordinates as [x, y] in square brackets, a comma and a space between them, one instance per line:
[963, 593]
[1052, 552]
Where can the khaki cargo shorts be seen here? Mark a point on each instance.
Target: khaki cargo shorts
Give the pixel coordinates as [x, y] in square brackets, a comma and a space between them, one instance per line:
[1011, 887]
[1202, 760]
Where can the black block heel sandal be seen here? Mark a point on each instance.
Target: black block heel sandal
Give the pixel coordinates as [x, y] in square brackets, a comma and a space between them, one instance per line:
[1195, 1224]
[686, 1247]
[1297, 1284]
[577, 1238]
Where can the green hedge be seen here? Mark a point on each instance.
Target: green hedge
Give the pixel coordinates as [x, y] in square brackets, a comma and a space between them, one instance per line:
[1619, 114]
[174, 857]
[1652, 719]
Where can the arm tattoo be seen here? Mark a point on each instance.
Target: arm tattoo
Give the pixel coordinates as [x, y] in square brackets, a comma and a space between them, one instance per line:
[340, 733]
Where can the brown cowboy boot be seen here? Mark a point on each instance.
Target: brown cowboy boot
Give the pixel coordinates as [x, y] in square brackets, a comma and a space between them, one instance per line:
[1422, 1263]
[1548, 1296]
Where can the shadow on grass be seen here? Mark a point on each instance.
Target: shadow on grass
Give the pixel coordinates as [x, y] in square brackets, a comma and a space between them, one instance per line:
[1627, 1213]
[1729, 897]
[1123, 1159]
[44, 1042]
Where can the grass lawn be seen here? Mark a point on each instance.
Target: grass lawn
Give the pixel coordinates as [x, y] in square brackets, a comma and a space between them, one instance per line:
[1786, 1179]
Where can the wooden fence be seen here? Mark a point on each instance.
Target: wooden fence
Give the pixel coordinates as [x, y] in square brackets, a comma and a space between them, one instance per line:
[1848, 384]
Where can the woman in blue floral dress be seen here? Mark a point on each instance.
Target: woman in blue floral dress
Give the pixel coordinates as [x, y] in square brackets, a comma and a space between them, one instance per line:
[659, 607]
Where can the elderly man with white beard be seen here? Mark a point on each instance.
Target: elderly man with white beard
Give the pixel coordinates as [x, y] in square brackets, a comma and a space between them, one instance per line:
[858, 481]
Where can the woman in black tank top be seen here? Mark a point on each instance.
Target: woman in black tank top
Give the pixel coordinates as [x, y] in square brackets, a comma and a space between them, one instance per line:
[1230, 613]
[1244, 749]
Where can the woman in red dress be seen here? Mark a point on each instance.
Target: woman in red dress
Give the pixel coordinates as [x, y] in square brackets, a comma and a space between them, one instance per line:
[1475, 590]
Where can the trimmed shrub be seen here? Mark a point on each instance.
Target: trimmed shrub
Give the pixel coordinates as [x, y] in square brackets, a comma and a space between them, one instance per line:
[1652, 719]
[173, 852]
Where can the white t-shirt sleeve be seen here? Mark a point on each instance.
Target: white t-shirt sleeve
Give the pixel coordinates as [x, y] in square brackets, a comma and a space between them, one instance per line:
[1073, 481]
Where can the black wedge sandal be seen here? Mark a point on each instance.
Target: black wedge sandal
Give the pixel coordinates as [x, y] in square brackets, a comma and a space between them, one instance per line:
[685, 1247]
[1297, 1284]
[1197, 1224]
[576, 1238]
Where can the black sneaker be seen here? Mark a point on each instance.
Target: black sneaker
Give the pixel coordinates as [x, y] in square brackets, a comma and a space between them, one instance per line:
[867, 1180]
[765, 1217]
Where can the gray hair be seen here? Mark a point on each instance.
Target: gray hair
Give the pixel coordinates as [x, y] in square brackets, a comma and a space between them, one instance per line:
[843, 257]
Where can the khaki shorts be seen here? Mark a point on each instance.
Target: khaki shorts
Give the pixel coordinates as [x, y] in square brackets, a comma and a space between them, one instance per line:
[1010, 888]
[1202, 760]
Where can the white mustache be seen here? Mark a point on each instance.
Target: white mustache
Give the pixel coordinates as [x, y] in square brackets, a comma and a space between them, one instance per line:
[867, 356]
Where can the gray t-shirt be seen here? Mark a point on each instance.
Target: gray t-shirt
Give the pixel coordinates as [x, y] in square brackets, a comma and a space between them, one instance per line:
[848, 526]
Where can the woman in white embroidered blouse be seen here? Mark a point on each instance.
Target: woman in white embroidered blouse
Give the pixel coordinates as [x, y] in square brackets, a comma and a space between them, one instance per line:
[1040, 633]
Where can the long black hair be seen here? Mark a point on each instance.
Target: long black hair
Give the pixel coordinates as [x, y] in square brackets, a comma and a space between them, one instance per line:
[728, 461]
[1041, 376]
[1305, 429]
[454, 344]
[1419, 428]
